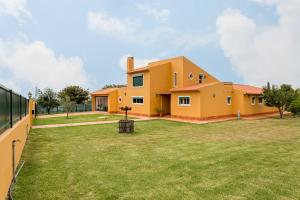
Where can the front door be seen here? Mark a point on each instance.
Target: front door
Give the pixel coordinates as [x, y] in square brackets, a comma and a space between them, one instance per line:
[166, 104]
[102, 103]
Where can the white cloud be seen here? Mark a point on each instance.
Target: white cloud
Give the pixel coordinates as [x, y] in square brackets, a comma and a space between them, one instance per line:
[131, 31]
[160, 15]
[10, 84]
[35, 64]
[102, 23]
[263, 53]
[268, 2]
[15, 8]
[138, 62]
[190, 41]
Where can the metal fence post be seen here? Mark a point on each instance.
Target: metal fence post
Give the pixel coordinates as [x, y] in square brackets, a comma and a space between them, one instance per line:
[35, 110]
[10, 109]
[25, 106]
[20, 104]
[12, 102]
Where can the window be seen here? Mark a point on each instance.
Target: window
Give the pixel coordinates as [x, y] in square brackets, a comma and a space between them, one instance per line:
[228, 100]
[253, 100]
[201, 78]
[138, 100]
[184, 101]
[138, 80]
[175, 80]
[260, 100]
[120, 99]
[191, 76]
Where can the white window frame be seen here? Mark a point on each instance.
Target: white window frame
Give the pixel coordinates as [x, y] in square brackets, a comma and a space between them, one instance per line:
[140, 97]
[229, 104]
[184, 104]
[253, 104]
[135, 75]
[262, 100]
[175, 79]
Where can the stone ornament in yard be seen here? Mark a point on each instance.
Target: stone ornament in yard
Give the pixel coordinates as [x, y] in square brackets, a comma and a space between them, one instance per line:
[126, 126]
[126, 108]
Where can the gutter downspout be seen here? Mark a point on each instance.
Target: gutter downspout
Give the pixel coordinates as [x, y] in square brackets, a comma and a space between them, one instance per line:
[15, 173]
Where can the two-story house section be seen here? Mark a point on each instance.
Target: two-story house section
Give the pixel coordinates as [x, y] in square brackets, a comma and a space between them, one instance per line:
[179, 88]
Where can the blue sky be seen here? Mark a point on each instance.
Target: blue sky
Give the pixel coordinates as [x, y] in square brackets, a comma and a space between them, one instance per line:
[85, 42]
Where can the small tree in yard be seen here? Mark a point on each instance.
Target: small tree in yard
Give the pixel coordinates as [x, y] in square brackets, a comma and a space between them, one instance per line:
[47, 99]
[298, 92]
[295, 107]
[279, 97]
[76, 93]
[68, 105]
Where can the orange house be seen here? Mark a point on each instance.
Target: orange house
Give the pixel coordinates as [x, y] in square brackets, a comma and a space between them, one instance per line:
[179, 88]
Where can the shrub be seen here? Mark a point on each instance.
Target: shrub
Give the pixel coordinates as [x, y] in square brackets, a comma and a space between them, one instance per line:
[295, 107]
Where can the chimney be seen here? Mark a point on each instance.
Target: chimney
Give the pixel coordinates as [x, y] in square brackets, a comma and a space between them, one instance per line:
[130, 64]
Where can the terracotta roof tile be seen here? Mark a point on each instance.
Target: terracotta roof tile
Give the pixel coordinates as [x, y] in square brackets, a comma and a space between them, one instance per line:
[248, 89]
[104, 91]
[193, 87]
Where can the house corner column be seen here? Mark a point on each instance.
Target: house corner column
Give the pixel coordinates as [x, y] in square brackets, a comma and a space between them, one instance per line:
[93, 103]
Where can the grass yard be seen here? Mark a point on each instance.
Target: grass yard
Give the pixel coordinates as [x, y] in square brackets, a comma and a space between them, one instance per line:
[257, 159]
[77, 119]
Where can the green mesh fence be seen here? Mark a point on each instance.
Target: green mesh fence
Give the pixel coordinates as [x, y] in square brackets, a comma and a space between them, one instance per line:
[85, 107]
[4, 110]
[13, 107]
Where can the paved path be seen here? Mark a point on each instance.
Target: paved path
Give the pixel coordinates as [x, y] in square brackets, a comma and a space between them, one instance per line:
[264, 116]
[198, 121]
[70, 114]
[86, 123]
[140, 118]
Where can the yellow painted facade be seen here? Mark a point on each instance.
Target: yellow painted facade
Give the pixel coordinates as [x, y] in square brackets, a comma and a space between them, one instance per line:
[18, 132]
[180, 88]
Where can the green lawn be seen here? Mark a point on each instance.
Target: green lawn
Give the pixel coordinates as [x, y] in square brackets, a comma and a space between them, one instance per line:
[77, 119]
[164, 160]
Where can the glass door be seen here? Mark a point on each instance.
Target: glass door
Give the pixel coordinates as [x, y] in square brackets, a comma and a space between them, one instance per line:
[102, 103]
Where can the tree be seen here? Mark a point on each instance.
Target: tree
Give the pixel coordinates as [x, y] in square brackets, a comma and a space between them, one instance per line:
[113, 86]
[298, 92]
[295, 107]
[47, 99]
[68, 105]
[279, 97]
[75, 93]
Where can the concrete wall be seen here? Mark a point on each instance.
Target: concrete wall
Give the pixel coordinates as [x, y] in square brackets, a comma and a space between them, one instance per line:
[211, 102]
[144, 91]
[122, 97]
[250, 109]
[186, 111]
[93, 102]
[176, 67]
[238, 102]
[19, 132]
[160, 81]
[113, 102]
[189, 68]
[214, 101]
